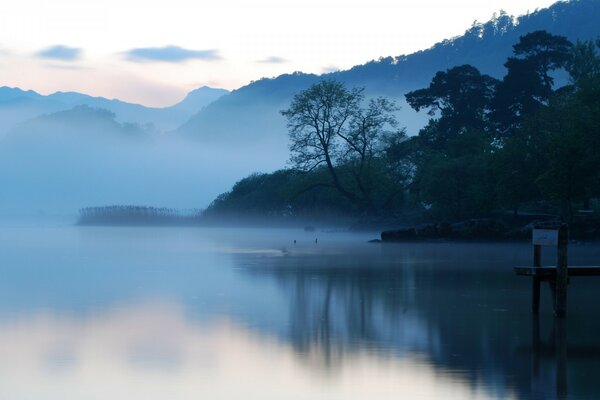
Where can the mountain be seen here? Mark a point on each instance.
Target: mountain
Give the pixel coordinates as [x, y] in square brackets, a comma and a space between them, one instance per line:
[18, 105]
[82, 124]
[251, 113]
[195, 100]
[252, 108]
[59, 162]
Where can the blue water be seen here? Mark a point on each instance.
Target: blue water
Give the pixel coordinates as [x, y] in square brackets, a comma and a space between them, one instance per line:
[178, 313]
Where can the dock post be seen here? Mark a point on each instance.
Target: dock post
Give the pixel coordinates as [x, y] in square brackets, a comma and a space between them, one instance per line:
[562, 273]
[535, 292]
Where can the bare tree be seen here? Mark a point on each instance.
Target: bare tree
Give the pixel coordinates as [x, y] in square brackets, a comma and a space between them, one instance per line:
[329, 126]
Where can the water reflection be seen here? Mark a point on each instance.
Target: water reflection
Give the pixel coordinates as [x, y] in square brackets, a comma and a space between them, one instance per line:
[172, 313]
[154, 351]
[555, 348]
[452, 307]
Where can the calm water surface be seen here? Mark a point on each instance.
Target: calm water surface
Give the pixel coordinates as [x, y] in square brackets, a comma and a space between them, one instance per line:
[186, 313]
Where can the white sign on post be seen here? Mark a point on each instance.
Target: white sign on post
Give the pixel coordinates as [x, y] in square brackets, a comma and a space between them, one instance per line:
[545, 237]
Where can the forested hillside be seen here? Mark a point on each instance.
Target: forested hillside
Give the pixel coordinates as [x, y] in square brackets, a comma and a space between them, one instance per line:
[492, 148]
[251, 113]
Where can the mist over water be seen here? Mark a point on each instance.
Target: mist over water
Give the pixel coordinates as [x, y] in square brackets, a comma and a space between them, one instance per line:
[56, 167]
[246, 313]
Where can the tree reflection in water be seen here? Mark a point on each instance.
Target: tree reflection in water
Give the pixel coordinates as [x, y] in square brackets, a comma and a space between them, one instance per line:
[464, 313]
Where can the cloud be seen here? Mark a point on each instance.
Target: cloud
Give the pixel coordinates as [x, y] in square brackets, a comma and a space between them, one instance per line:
[172, 54]
[68, 67]
[60, 52]
[273, 60]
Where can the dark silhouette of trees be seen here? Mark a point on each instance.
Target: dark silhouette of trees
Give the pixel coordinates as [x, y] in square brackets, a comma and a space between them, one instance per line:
[571, 124]
[548, 154]
[452, 164]
[491, 146]
[528, 85]
[584, 63]
[330, 126]
[461, 95]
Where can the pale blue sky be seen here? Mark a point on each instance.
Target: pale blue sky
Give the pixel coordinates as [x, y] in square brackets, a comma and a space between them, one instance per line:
[153, 52]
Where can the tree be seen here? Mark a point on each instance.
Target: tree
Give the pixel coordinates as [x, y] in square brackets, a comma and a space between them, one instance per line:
[329, 125]
[552, 153]
[456, 182]
[571, 124]
[584, 63]
[516, 166]
[461, 95]
[527, 85]
[452, 150]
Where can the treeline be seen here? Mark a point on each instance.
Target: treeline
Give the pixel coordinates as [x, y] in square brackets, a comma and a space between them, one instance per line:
[134, 215]
[492, 147]
[515, 144]
[285, 196]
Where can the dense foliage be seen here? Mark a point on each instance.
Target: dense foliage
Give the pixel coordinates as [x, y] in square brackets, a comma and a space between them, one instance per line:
[491, 146]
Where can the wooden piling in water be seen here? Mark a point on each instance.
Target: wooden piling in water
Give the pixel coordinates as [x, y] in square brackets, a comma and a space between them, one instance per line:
[562, 272]
[555, 235]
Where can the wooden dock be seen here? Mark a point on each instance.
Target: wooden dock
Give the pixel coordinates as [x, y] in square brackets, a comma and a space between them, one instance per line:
[552, 235]
[549, 273]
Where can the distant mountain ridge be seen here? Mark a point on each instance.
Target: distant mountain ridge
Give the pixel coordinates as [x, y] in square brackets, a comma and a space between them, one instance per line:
[17, 105]
[251, 113]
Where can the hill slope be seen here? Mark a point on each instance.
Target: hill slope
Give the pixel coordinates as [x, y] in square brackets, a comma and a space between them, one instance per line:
[251, 114]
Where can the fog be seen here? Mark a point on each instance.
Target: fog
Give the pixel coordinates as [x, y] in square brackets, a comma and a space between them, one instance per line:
[55, 164]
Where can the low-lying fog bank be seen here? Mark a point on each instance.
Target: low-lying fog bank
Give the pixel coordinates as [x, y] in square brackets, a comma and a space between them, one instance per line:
[57, 164]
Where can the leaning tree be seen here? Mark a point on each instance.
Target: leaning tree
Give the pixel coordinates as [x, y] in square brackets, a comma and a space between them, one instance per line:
[331, 127]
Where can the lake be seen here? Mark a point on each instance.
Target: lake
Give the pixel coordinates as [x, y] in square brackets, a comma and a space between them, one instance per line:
[189, 313]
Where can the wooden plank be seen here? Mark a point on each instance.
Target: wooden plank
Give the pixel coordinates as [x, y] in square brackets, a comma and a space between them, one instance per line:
[545, 237]
[551, 271]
